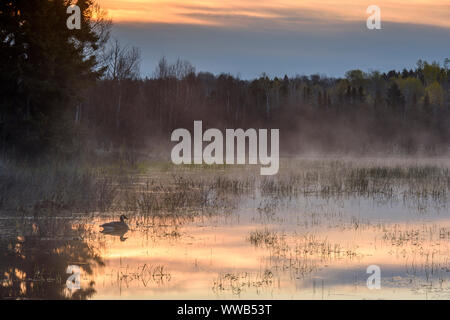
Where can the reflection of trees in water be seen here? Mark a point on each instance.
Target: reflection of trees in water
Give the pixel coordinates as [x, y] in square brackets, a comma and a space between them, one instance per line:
[33, 265]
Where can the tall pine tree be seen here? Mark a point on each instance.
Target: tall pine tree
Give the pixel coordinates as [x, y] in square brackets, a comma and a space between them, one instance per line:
[44, 68]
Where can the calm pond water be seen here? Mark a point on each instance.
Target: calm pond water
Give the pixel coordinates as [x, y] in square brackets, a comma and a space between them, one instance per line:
[265, 245]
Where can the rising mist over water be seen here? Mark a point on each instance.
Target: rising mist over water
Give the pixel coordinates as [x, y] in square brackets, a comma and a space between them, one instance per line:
[94, 204]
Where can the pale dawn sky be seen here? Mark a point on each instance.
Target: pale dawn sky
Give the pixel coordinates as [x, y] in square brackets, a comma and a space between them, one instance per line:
[248, 37]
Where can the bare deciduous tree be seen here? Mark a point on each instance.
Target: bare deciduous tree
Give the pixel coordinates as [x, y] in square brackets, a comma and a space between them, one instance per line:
[178, 70]
[123, 63]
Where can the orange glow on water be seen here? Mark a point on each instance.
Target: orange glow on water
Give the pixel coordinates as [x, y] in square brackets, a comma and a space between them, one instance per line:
[210, 261]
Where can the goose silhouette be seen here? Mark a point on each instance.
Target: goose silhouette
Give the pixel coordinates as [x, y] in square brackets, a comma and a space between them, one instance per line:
[115, 226]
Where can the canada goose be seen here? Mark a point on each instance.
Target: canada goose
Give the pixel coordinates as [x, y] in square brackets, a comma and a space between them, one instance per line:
[116, 225]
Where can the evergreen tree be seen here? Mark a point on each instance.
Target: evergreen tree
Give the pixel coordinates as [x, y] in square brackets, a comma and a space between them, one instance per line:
[44, 68]
[394, 97]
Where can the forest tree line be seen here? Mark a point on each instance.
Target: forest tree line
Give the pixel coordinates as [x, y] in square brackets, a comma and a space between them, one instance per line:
[64, 91]
[407, 111]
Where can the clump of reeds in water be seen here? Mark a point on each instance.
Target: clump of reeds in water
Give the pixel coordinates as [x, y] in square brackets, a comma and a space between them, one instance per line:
[237, 283]
[340, 178]
[54, 188]
[181, 195]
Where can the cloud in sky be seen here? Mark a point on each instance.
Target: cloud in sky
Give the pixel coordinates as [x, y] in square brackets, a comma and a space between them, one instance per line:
[289, 13]
[248, 37]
